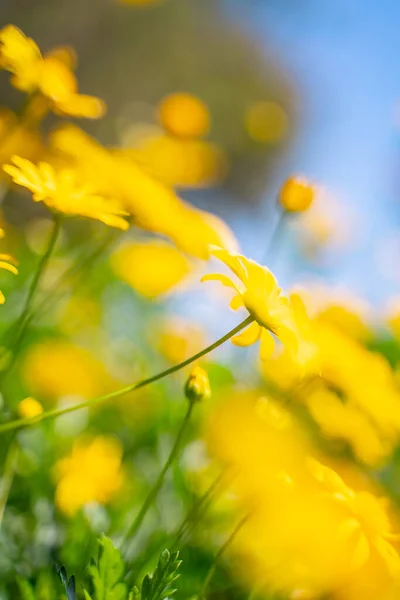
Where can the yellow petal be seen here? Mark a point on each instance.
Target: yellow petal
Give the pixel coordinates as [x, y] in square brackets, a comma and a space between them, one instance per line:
[389, 556]
[231, 260]
[267, 345]
[7, 267]
[236, 302]
[81, 105]
[249, 336]
[222, 278]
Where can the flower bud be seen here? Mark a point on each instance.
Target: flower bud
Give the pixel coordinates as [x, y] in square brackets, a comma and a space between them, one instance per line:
[197, 386]
[29, 408]
[297, 194]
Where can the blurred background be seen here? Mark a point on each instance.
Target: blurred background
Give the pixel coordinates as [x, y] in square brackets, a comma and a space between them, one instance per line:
[291, 86]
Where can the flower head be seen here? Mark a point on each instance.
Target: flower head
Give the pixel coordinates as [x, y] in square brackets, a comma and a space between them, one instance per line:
[51, 75]
[296, 194]
[91, 473]
[366, 527]
[263, 298]
[60, 191]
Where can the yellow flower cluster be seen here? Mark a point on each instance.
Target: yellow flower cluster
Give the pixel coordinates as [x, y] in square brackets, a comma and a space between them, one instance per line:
[91, 473]
[309, 534]
[344, 400]
[50, 75]
[153, 205]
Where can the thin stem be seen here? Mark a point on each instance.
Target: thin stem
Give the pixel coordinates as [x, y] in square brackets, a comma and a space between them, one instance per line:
[219, 555]
[79, 267]
[199, 506]
[57, 412]
[276, 235]
[8, 476]
[40, 269]
[23, 319]
[151, 496]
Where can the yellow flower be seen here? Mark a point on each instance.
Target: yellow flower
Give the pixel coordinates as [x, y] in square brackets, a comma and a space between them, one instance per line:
[7, 263]
[178, 162]
[264, 300]
[366, 527]
[29, 408]
[91, 473]
[50, 75]
[55, 368]
[60, 191]
[152, 268]
[177, 338]
[297, 194]
[184, 116]
[154, 206]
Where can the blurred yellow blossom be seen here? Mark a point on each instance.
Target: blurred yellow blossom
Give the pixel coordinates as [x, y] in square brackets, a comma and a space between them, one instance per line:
[178, 338]
[7, 263]
[91, 473]
[17, 138]
[266, 122]
[57, 368]
[184, 115]
[60, 191]
[51, 75]
[179, 162]
[153, 205]
[309, 534]
[264, 300]
[29, 408]
[152, 268]
[296, 194]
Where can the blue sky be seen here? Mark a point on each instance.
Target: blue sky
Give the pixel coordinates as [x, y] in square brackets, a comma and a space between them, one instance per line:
[344, 56]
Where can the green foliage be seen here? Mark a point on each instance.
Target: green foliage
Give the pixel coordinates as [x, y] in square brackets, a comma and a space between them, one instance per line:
[25, 590]
[157, 585]
[69, 584]
[107, 574]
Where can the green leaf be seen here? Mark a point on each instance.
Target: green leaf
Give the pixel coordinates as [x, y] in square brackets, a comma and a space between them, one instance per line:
[158, 584]
[25, 589]
[108, 573]
[69, 584]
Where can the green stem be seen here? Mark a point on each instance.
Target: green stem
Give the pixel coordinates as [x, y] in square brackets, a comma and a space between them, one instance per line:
[219, 555]
[23, 319]
[57, 412]
[8, 476]
[198, 507]
[151, 496]
[40, 269]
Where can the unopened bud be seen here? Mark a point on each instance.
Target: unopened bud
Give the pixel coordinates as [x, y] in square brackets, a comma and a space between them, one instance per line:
[197, 386]
[29, 408]
[297, 194]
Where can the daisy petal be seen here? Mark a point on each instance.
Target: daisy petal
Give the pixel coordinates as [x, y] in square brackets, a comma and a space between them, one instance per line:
[249, 336]
[267, 345]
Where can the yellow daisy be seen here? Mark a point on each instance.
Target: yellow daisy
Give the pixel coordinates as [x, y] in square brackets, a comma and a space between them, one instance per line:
[51, 75]
[263, 298]
[59, 190]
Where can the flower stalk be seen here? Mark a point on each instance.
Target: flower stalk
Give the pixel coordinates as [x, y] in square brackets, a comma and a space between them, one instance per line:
[58, 412]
